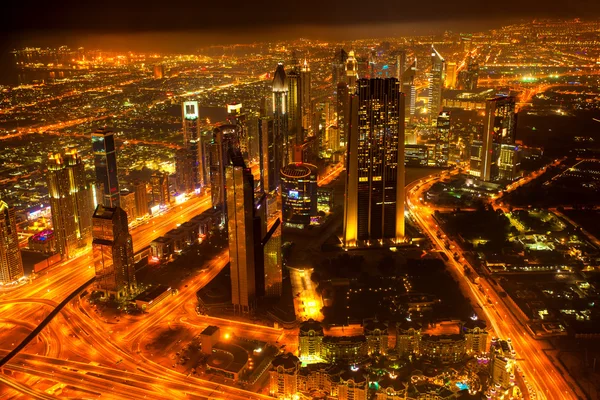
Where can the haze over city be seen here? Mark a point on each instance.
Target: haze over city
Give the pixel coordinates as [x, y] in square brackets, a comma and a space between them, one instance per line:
[318, 200]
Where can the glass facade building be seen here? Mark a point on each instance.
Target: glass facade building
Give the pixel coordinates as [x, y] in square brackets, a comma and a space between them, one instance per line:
[298, 194]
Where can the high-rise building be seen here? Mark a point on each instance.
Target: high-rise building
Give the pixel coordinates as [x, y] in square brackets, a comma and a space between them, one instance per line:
[494, 154]
[351, 72]
[442, 139]
[410, 91]
[306, 101]
[294, 109]
[184, 171]
[158, 71]
[113, 253]
[141, 199]
[374, 205]
[240, 224]
[280, 118]
[343, 112]
[11, 264]
[160, 189]
[436, 84]
[451, 75]
[469, 77]
[400, 64]
[298, 194]
[269, 179]
[272, 262]
[71, 203]
[338, 68]
[476, 336]
[105, 163]
[128, 204]
[502, 365]
[224, 140]
[192, 142]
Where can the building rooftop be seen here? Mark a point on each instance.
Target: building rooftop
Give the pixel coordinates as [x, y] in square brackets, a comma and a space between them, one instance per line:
[311, 325]
[151, 293]
[210, 330]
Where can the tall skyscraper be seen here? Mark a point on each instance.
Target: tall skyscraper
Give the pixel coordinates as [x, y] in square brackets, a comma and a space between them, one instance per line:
[374, 205]
[160, 189]
[71, 203]
[224, 140]
[400, 64]
[128, 204]
[240, 212]
[442, 139]
[269, 178]
[192, 142]
[184, 171]
[11, 265]
[451, 75]
[410, 91]
[280, 117]
[294, 108]
[272, 262]
[105, 162]
[305, 92]
[141, 199]
[351, 72]
[113, 252]
[343, 111]
[436, 84]
[298, 194]
[338, 68]
[494, 155]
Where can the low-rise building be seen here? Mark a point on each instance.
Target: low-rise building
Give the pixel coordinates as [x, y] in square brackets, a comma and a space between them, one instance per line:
[283, 376]
[376, 334]
[310, 339]
[443, 348]
[346, 348]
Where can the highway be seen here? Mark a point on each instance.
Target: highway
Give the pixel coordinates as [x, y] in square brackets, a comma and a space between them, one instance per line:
[543, 376]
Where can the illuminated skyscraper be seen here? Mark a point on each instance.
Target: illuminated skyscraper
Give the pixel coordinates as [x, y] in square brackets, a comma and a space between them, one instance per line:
[374, 205]
[71, 203]
[105, 162]
[192, 142]
[128, 204]
[436, 84]
[294, 108]
[141, 199]
[184, 171]
[494, 155]
[442, 139]
[343, 111]
[351, 72]
[224, 140]
[305, 92]
[269, 179]
[160, 189]
[272, 263]
[113, 253]
[11, 265]
[469, 77]
[298, 194]
[280, 117]
[338, 68]
[502, 365]
[400, 64]
[240, 226]
[410, 91]
[451, 75]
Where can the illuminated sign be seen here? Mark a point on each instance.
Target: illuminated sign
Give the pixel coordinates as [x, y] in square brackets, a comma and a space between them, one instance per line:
[190, 110]
[293, 194]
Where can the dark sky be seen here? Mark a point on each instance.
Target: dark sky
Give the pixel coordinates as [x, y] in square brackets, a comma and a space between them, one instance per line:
[248, 20]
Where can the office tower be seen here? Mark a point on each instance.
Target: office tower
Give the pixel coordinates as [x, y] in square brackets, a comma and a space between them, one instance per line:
[294, 109]
[238, 117]
[11, 265]
[184, 171]
[158, 71]
[141, 199]
[298, 194]
[128, 204]
[305, 92]
[113, 253]
[160, 189]
[410, 91]
[436, 84]
[471, 76]
[351, 72]
[493, 154]
[269, 178]
[192, 142]
[502, 364]
[223, 141]
[272, 262]
[451, 75]
[343, 112]
[400, 64]
[442, 139]
[280, 118]
[338, 68]
[374, 205]
[105, 162]
[240, 212]
[71, 203]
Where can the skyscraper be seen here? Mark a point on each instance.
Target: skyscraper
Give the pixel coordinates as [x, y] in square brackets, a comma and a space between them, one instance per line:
[11, 265]
[305, 92]
[400, 64]
[141, 199]
[442, 139]
[71, 203]
[160, 189]
[351, 72]
[224, 140]
[269, 178]
[280, 117]
[436, 84]
[298, 194]
[105, 162]
[184, 171]
[192, 142]
[451, 75]
[128, 204]
[374, 205]
[113, 252]
[410, 91]
[494, 155]
[343, 112]
[294, 108]
[338, 68]
[240, 205]
[272, 263]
